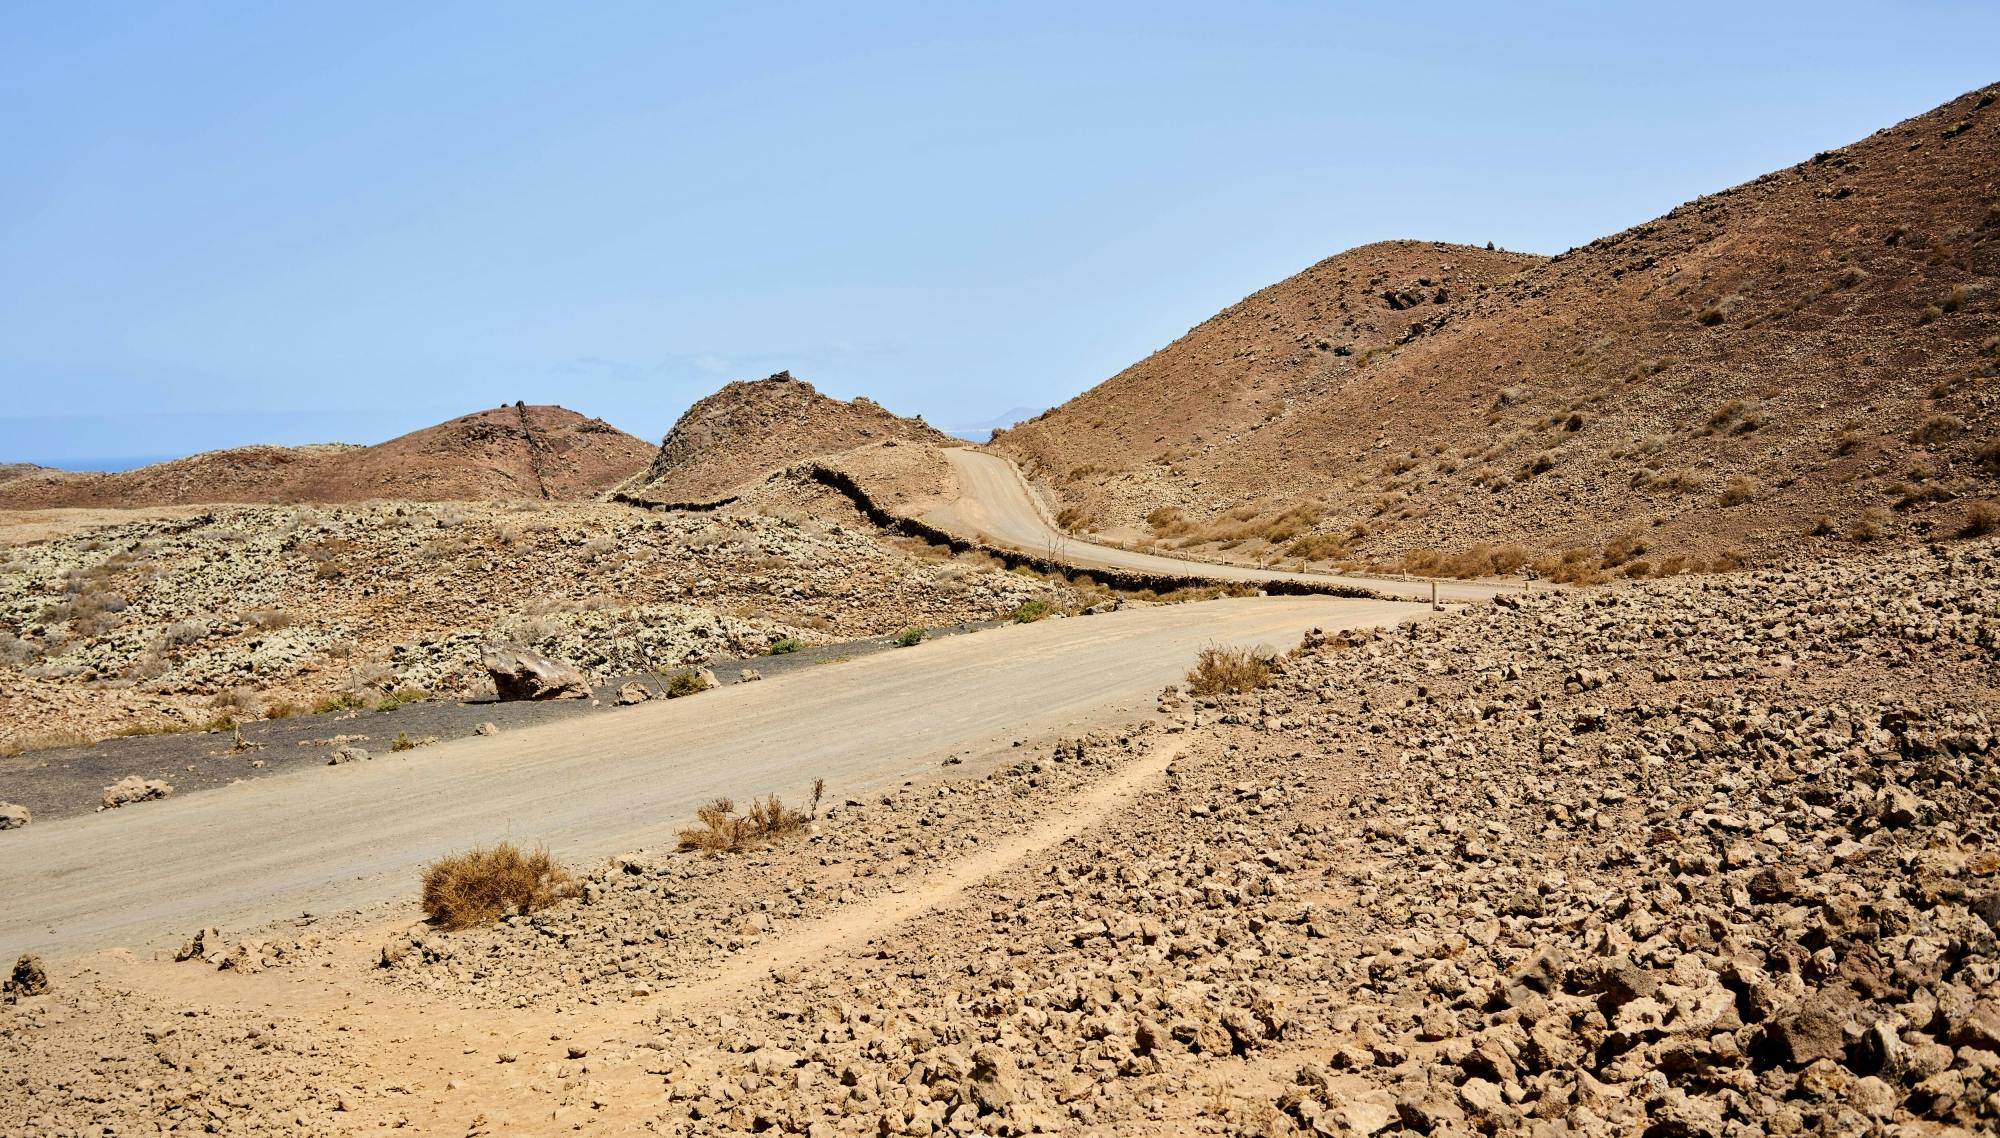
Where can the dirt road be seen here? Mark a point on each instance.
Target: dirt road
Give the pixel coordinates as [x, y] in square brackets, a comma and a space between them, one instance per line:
[333, 838]
[997, 505]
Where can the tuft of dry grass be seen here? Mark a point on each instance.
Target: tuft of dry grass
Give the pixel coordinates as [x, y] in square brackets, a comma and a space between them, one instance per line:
[1937, 429]
[1871, 525]
[1981, 518]
[1737, 491]
[1478, 560]
[1233, 671]
[487, 883]
[720, 829]
[1574, 566]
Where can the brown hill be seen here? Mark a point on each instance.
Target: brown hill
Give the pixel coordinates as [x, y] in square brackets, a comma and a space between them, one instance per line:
[1813, 350]
[507, 452]
[752, 427]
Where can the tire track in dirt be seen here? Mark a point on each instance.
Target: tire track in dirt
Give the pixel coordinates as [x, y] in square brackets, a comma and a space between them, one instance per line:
[455, 1067]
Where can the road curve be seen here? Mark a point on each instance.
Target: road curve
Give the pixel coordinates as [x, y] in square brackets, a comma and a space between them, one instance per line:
[996, 505]
[333, 838]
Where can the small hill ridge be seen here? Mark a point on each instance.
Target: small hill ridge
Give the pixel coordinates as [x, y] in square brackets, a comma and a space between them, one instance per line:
[752, 427]
[1799, 364]
[510, 452]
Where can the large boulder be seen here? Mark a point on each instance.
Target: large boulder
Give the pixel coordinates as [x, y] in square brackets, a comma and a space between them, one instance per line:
[523, 673]
[132, 788]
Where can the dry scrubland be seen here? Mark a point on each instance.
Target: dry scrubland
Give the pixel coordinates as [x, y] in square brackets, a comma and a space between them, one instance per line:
[236, 613]
[1701, 857]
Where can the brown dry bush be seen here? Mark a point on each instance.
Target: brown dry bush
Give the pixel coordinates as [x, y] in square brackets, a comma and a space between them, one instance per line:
[721, 829]
[1574, 566]
[1477, 560]
[1317, 547]
[1624, 548]
[1989, 456]
[1737, 416]
[1872, 524]
[1168, 521]
[1737, 491]
[1232, 670]
[1937, 429]
[1680, 481]
[485, 884]
[1981, 518]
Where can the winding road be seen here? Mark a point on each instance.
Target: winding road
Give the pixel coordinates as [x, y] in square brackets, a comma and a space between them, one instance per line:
[332, 838]
[996, 505]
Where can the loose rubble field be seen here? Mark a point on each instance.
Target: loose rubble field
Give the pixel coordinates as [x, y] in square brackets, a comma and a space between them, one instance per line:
[1711, 856]
[235, 613]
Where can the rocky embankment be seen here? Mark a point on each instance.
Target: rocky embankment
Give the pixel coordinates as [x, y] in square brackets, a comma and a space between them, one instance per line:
[240, 613]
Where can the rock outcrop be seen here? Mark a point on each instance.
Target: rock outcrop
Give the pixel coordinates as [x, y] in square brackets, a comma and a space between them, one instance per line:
[751, 428]
[135, 788]
[523, 673]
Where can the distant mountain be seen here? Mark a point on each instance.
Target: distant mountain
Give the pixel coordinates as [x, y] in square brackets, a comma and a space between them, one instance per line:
[505, 453]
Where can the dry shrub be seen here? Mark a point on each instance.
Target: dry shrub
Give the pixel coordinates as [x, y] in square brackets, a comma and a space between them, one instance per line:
[1574, 566]
[1076, 519]
[43, 741]
[1624, 548]
[720, 829]
[1737, 491]
[1679, 481]
[1871, 525]
[1981, 518]
[268, 620]
[1293, 521]
[1317, 547]
[1168, 521]
[485, 884]
[1477, 560]
[685, 684]
[1229, 670]
[1737, 416]
[1989, 456]
[235, 703]
[1937, 429]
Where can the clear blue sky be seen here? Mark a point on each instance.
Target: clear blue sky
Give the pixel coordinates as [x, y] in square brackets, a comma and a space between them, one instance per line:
[230, 223]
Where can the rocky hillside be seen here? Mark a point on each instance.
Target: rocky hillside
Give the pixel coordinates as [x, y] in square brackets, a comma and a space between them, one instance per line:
[1801, 361]
[752, 427]
[12, 470]
[505, 453]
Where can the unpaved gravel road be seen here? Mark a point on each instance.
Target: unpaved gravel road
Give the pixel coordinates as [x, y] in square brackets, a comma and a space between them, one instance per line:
[997, 505]
[335, 838]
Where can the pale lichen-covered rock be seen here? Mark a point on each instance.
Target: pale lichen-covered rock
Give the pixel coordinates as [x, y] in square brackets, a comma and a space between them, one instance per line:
[132, 788]
[523, 673]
